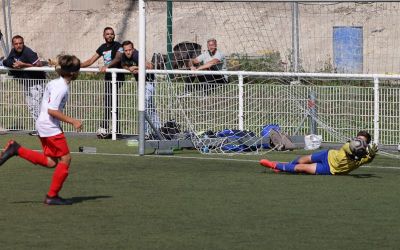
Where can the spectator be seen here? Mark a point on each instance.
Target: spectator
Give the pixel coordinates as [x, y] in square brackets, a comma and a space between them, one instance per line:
[111, 52]
[130, 61]
[212, 59]
[23, 57]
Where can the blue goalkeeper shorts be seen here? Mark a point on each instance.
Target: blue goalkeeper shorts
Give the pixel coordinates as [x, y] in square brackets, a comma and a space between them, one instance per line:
[321, 158]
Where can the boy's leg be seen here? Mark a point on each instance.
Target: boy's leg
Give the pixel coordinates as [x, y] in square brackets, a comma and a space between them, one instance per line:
[315, 163]
[305, 159]
[13, 148]
[306, 168]
[305, 164]
[56, 146]
[35, 157]
[286, 167]
[10, 150]
[59, 176]
[289, 166]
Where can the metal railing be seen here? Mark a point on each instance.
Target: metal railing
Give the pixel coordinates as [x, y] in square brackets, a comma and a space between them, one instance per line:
[344, 109]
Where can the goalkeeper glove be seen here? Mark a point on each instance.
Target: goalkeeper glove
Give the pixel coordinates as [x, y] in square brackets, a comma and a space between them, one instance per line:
[372, 149]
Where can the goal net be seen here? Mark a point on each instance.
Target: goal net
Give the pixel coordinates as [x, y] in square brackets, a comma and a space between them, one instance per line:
[229, 111]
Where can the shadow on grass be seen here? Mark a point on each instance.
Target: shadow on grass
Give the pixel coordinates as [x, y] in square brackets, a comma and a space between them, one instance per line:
[77, 199]
[359, 176]
[80, 199]
[362, 176]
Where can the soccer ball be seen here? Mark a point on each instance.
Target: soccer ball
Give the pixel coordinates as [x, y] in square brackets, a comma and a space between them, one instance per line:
[102, 133]
[358, 147]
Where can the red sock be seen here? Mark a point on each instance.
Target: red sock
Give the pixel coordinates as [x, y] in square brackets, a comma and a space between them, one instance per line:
[59, 176]
[32, 156]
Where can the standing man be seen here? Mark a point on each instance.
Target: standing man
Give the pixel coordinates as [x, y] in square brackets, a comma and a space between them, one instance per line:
[22, 57]
[111, 51]
[214, 60]
[130, 61]
[55, 148]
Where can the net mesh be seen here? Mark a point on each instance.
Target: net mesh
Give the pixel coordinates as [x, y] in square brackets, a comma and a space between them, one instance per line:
[329, 37]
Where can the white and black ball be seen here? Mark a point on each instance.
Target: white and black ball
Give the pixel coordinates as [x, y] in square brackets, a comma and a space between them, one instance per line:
[102, 133]
[358, 147]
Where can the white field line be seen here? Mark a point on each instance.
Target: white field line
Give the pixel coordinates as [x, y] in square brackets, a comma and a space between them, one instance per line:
[206, 158]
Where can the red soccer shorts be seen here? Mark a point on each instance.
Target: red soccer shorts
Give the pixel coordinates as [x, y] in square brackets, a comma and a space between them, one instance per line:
[55, 146]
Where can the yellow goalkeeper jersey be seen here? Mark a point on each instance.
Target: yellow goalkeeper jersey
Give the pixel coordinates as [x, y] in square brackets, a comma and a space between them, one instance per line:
[340, 161]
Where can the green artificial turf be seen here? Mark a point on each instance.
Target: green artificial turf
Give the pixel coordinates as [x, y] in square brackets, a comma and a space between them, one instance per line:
[190, 201]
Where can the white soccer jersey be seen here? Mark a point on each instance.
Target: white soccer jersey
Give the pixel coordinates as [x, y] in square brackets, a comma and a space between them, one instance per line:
[54, 97]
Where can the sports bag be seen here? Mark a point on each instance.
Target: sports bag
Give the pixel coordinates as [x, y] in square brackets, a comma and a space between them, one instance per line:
[170, 130]
[280, 141]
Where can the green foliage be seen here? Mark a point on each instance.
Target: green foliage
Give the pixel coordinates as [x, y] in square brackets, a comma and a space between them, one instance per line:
[268, 62]
[82, 76]
[90, 76]
[326, 67]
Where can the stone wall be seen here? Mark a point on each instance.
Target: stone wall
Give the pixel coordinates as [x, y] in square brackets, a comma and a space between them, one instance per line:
[51, 27]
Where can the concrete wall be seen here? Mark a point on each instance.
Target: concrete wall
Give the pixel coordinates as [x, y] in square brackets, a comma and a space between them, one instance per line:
[51, 27]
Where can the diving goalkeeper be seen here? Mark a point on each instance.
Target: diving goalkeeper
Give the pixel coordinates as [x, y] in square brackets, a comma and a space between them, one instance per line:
[349, 157]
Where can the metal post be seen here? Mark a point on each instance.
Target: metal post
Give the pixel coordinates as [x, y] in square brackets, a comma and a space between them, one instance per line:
[169, 34]
[312, 113]
[114, 106]
[10, 34]
[295, 36]
[240, 115]
[6, 38]
[3, 45]
[376, 110]
[142, 75]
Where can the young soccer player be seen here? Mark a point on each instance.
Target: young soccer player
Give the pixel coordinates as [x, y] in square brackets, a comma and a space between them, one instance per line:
[350, 156]
[55, 148]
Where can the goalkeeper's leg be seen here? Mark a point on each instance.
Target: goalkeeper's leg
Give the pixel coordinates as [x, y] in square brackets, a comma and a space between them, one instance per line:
[290, 167]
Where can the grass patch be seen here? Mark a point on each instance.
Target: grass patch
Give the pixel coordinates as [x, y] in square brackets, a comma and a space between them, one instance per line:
[189, 201]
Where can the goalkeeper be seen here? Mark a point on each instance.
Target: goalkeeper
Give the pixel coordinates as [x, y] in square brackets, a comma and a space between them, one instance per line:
[349, 157]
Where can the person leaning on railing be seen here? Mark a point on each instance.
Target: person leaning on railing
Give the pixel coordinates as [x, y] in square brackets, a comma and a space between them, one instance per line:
[212, 59]
[21, 57]
[130, 61]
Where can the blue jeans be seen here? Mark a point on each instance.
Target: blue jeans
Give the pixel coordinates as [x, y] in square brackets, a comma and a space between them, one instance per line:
[150, 107]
